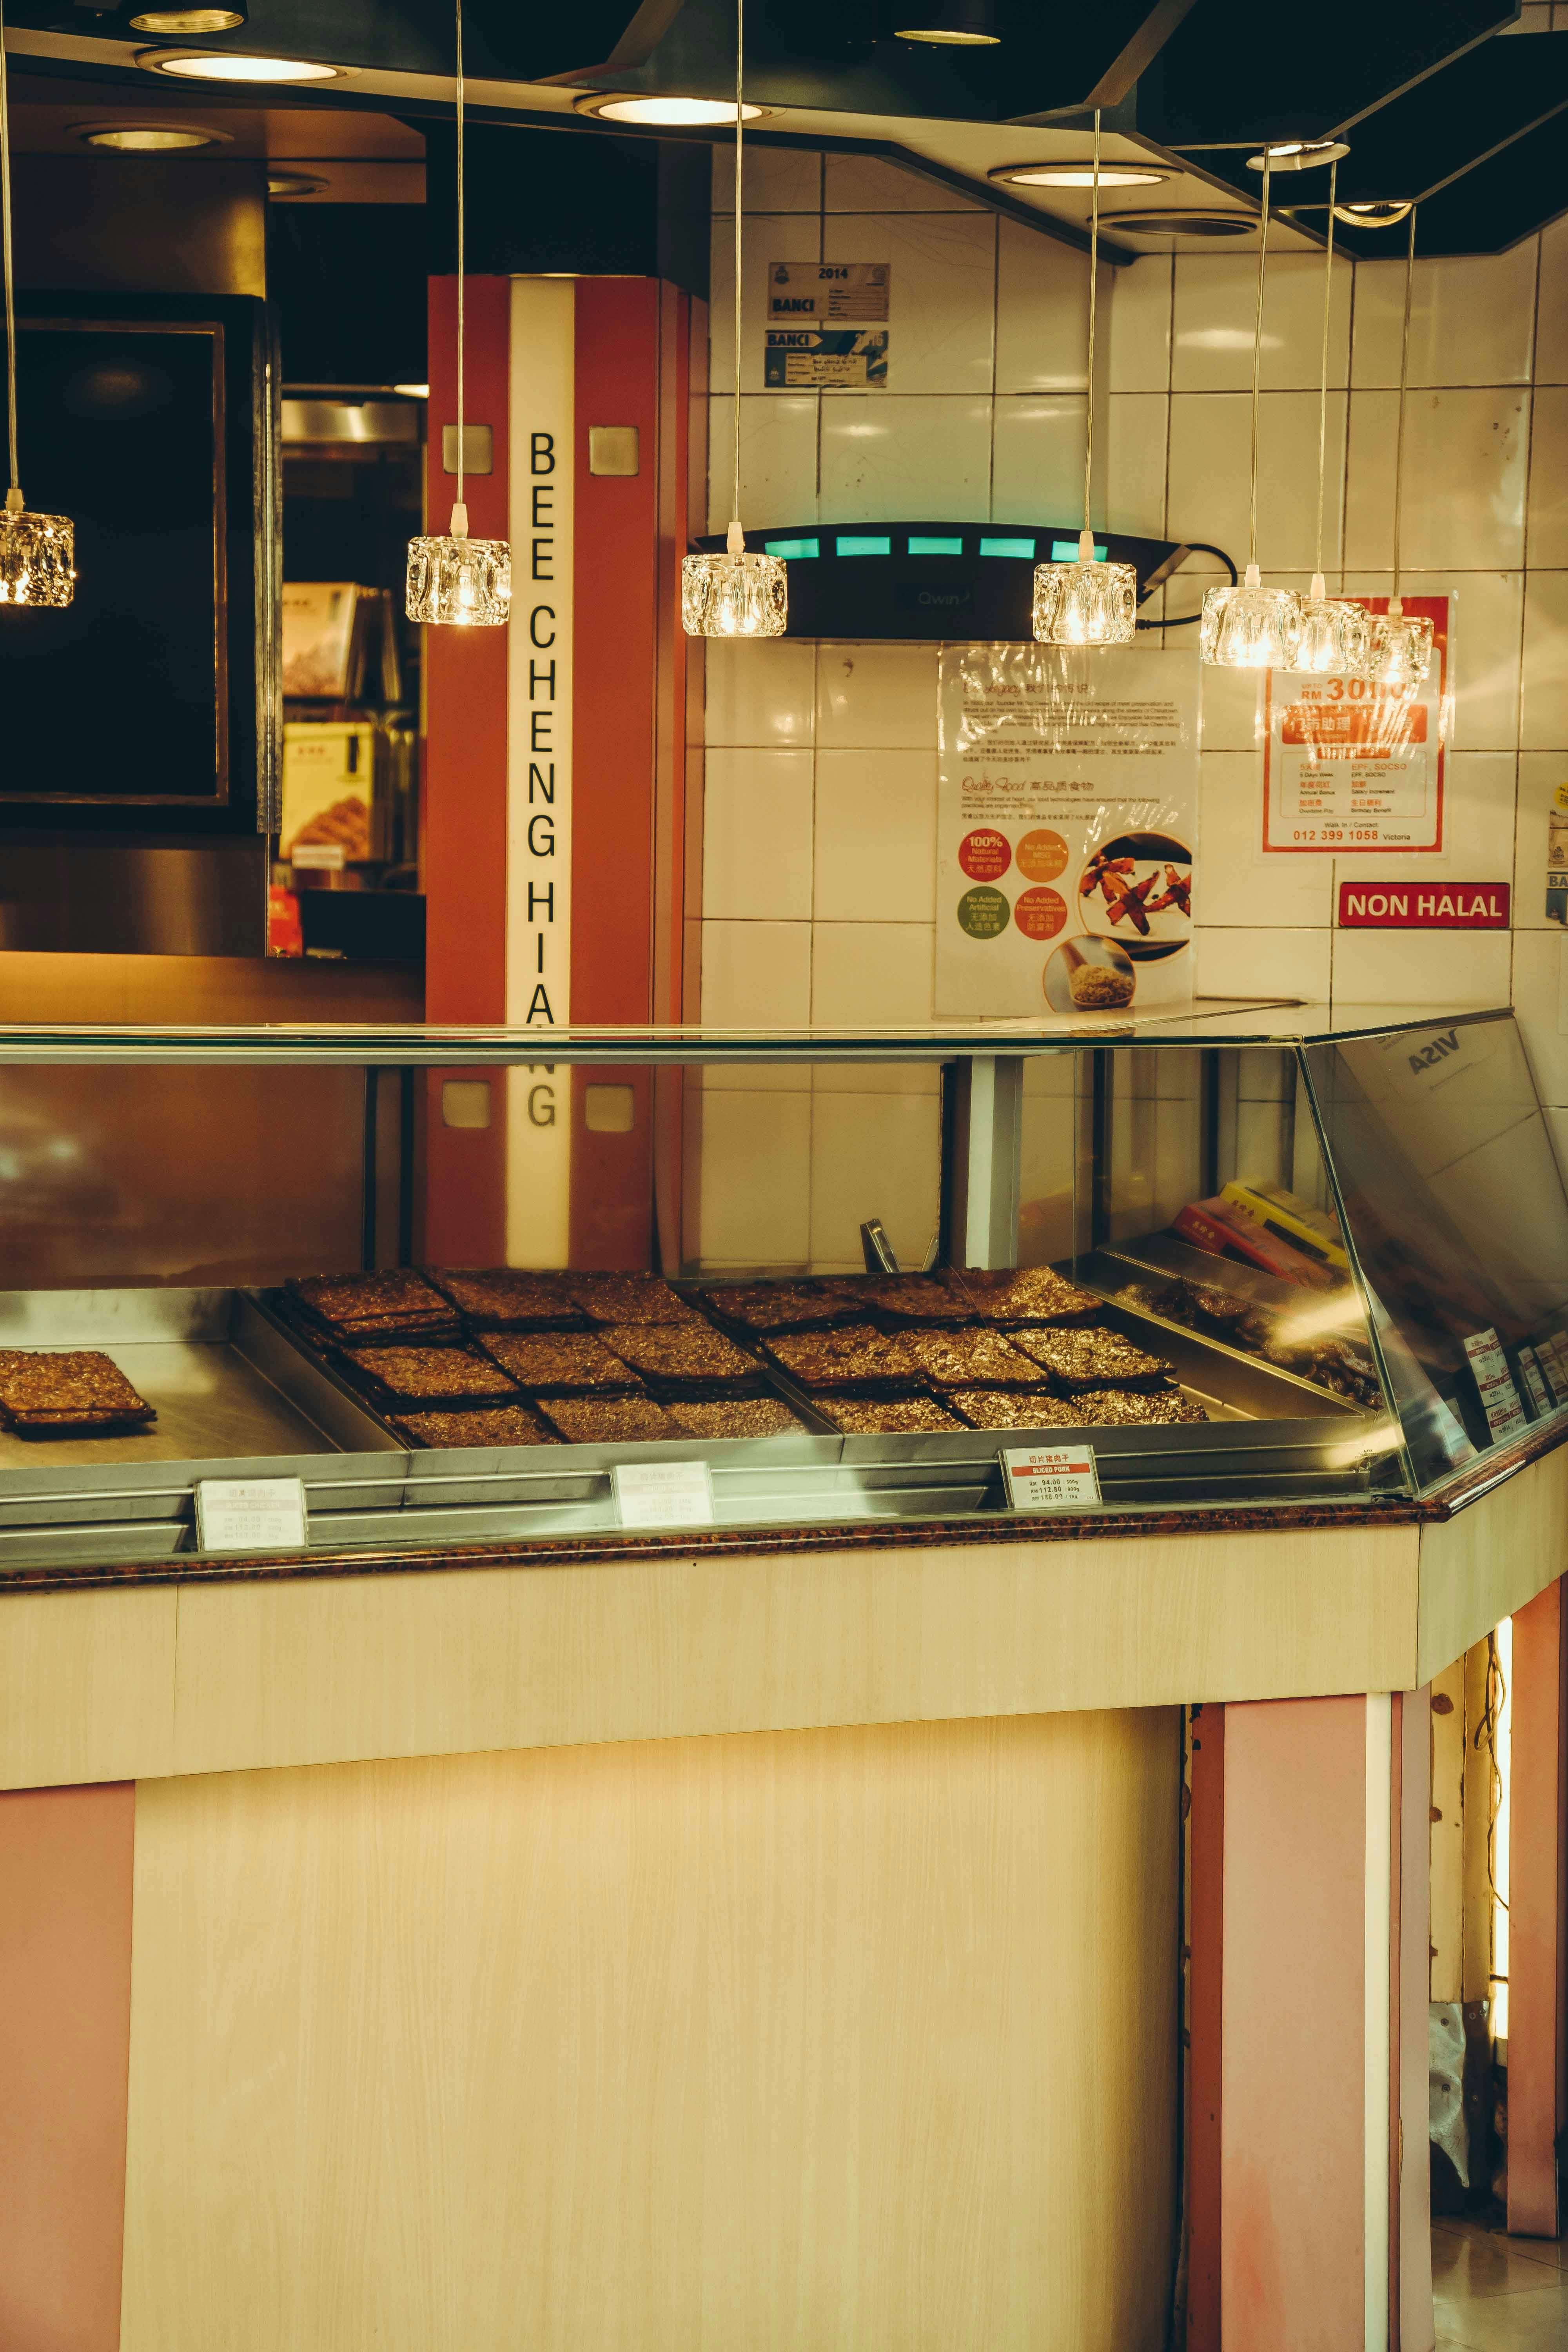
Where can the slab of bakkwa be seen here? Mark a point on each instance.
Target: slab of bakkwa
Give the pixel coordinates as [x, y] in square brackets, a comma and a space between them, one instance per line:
[1013, 1409]
[559, 1363]
[903, 1299]
[682, 1356]
[855, 1357]
[1027, 1293]
[503, 1299]
[970, 1360]
[766, 1307]
[504, 1424]
[629, 1299]
[426, 1376]
[1091, 1359]
[1110, 1405]
[869, 1416]
[48, 1393]
[390, 1304]
[609, 1421]
[738, 1417]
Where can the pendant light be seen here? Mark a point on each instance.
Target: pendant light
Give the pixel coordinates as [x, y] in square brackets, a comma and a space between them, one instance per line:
[458, 582]
[734, 594]
[1401, 647]
[1086, 603]
[1335, 635]
[38, 552]
[1251, 627]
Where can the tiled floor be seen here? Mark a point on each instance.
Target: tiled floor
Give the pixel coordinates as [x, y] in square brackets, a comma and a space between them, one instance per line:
[1496, 2294]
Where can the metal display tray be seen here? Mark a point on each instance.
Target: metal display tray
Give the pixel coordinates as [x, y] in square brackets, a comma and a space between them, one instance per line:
[238, 1395]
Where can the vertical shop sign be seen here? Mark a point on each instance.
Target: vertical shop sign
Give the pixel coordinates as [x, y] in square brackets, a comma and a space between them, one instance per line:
[1349, 767]
[539, 785]
[1067, 830]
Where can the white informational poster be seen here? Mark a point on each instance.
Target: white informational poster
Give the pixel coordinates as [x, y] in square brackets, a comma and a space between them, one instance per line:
[1066, 828]
[1350, 766]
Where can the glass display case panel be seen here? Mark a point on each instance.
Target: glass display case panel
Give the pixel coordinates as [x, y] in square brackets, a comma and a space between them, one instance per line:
[1450, 1192]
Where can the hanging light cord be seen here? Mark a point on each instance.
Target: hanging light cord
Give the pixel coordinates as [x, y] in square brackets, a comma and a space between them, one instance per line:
[462, 418]
[735, 540]
[1257, 366]
[1396, 602]
[14, 495]
[1323, 375]
[1086, 542]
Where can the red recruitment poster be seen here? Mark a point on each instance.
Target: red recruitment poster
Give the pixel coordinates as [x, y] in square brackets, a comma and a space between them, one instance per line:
[1350, 767]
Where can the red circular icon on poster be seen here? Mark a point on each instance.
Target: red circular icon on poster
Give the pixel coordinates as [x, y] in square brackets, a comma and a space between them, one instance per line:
[984, 855]
[1040, 914]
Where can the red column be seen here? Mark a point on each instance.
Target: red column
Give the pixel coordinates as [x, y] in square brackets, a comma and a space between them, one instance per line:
[1538, 1926]
[465, 795]
[65, 2055]
[1206, 2021]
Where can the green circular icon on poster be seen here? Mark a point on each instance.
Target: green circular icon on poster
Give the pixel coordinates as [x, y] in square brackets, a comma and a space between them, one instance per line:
[984, 913]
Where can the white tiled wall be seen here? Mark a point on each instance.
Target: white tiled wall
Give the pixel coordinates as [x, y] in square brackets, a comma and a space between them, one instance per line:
[820, 850]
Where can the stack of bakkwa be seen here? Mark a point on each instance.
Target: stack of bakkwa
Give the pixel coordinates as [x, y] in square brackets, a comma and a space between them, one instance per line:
[1013, 1409]
[374, 1309]
[737, 1416]
[1027, 1293]
[970, 1360]
[396, 1378]
[69, 1392]
[856, 1360]
[608, 1420]
[873, 1416]
[902, 1299]
[756, 1309]
[501, 1298]
[629, 1299]
[502, 1424]
[1091, 1359]
[691, 1360]
[561, 1363]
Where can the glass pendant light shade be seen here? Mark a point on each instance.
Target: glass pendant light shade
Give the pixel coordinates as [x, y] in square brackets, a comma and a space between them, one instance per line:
[37, 556]
[460, 582]
[733, 594]
[1335, 635]
[1250, 627]
[1085, 602]
[1401, 650]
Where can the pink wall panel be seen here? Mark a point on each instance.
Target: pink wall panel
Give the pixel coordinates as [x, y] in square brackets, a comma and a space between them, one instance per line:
[65, 2046]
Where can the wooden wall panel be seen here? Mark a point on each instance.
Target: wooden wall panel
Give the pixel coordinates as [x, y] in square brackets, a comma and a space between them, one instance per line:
[1478, 1568]
[860, 2037]
[87, 1685]
[325, 1671]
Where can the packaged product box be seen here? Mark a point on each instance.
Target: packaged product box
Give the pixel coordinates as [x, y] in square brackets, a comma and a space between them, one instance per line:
[328, 792]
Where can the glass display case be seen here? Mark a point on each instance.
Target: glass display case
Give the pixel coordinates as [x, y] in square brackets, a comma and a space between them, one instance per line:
[1242, 1256]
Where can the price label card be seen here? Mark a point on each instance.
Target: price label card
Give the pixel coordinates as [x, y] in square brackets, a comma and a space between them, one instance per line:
[1500, 1397]
[663, 1494]
[250, 1515]
[1051, 1477]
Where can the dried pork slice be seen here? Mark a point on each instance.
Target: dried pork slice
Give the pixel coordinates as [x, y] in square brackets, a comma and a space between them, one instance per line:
[387, 1305]
[629, 1299]
[904, 1299]
[738, 1417]
[609, 1421]
[970, 1360]
[505, 1425]
[427, 1376]
[691, 1357]
[766, 1307]
[872, 1416]
[561, 1363]
[52, 1391]
[503, 1299]
[1122, 1405]
[1013, 1409]
[1029, 1294]
[1091, 1359]
[857, 1357]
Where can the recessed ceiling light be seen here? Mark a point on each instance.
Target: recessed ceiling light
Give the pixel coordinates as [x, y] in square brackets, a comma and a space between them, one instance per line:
[1379, 215]
[1299, 154]
[293, 184]
[148, 138]
[1175, 224]
[230, 64]
[669, 113]
[1077, 175]
[184, 24]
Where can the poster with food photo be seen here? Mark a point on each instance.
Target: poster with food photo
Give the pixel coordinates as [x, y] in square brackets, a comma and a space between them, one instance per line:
[1067, 830]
